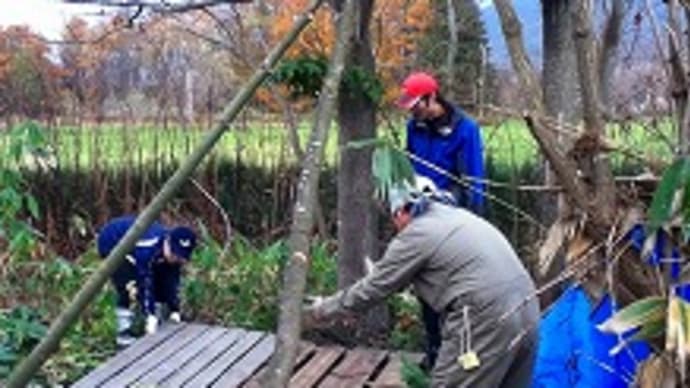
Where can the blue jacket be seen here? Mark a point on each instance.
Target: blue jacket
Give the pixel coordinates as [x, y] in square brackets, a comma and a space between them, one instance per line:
[456, 148]
[147, 252]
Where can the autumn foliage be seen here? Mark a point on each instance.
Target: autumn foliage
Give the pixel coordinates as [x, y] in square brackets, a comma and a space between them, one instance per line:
[161, 66]
[397, 26]
[29, 81]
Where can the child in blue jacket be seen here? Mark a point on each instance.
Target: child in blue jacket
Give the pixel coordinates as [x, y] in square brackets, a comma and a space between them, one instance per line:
[443, 140]
[153, 266]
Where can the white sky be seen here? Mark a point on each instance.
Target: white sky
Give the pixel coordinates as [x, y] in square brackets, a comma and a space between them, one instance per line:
[47, 17]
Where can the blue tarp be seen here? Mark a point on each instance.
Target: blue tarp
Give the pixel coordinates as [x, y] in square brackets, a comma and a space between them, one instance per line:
[573, 353]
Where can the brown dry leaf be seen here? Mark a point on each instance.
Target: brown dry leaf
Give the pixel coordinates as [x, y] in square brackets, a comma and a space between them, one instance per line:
[577, 247]
[633, 216]
[672, 324]
[558, 235]
[656, 373]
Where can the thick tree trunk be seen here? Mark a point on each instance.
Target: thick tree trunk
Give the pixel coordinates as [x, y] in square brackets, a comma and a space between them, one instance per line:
[561, 102]
[594, 163]
[28, 367]
[357, 121]
[295, 273]
[559, 82]
[357, 213]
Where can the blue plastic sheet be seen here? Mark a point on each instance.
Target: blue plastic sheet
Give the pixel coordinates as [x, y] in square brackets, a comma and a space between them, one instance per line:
[574, 353]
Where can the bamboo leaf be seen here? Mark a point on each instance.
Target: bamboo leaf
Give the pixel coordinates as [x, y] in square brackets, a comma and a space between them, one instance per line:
[675, 177]
[635, 315]
[653, 329]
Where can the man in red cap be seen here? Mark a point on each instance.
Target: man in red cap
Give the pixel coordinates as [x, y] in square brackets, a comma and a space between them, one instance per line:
[447, 144]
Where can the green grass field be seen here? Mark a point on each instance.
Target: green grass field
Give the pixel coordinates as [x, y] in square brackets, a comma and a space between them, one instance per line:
[509, 144]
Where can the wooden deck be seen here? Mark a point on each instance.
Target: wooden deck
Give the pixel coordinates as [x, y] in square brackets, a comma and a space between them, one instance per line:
[194, 355]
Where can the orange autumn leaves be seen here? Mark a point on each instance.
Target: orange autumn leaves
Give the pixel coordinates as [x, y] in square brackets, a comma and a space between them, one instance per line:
[396, 27]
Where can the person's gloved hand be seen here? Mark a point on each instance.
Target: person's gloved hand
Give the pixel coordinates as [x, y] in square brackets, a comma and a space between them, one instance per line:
[312, 310]
[151, 324]
[175, 317]
[368, 265]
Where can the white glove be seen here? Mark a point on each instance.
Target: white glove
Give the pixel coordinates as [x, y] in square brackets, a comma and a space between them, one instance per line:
[151, 324]
[175, 317]
[368, 265]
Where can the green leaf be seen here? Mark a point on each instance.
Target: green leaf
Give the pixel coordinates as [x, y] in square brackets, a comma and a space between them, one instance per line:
[635, 315]
[32, 206]
[675, 177]
[653, 329]
[413, 375]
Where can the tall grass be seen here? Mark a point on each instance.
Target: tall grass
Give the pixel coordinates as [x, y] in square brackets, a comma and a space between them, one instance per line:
[265, 144]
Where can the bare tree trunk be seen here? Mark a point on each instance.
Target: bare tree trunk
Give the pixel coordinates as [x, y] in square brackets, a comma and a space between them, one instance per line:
[189, 98]
[293, 138]
[559, 82]
[27, 368]
[679, 79]
[609, 54]
[594, 161]
[357, 213]
[357, 121]
[452, 52]
[561, 101]
[512, 31]
[295, 273]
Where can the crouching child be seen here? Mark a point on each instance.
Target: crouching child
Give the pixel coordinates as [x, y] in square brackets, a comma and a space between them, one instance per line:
[152, 269]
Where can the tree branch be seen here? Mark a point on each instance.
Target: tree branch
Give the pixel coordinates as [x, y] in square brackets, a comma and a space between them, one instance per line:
[158, 6]
[608, 54]
[295, 274]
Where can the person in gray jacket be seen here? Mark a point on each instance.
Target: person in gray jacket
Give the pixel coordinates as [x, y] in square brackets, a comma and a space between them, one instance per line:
[466, 270]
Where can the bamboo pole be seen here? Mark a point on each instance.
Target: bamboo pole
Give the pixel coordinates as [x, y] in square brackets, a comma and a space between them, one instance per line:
[27, 368]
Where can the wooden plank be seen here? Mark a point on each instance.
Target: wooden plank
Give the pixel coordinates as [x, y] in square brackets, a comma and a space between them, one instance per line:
[306, 350]
[165, 369]
[203, 358]
[212, 371]
[318, 366]
[390, 377]
[248, 364]
[355, 369]
[124, 358]
[154, 357]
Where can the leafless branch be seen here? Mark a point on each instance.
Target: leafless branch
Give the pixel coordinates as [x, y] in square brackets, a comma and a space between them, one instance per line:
[158, 6]
[223, 214]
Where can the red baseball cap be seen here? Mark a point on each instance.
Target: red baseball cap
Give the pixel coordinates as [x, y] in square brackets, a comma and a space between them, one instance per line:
[416, 86]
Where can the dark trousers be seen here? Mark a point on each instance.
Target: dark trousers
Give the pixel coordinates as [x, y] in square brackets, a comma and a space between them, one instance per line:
[166, 279]
[432, 326]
